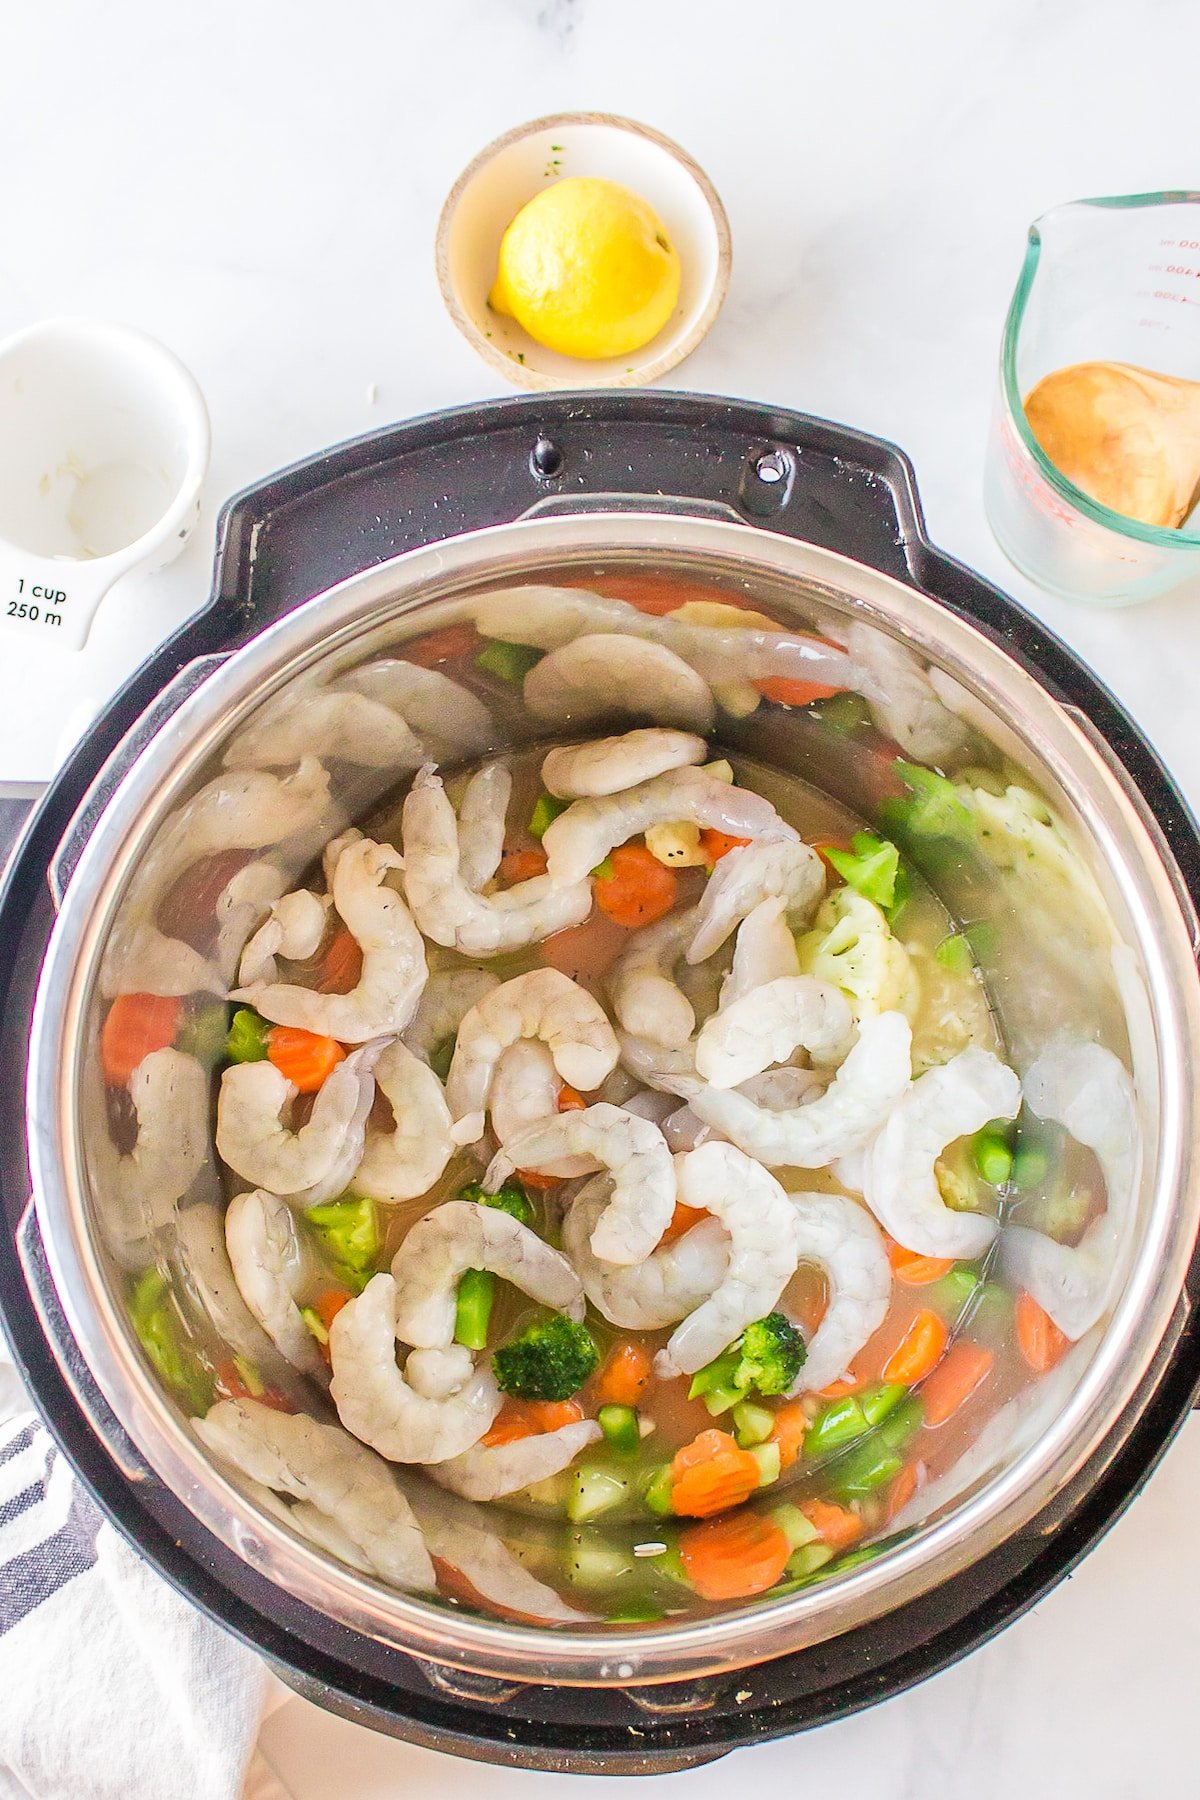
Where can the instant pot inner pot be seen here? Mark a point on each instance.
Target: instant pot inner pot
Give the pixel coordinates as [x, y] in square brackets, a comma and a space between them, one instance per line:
[1000, 809]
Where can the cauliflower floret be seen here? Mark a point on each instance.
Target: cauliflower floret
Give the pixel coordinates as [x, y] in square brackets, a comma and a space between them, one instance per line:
[1043, 874]
[851, 945]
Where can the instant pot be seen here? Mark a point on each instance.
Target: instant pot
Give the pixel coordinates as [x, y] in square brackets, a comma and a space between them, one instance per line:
[338, 559]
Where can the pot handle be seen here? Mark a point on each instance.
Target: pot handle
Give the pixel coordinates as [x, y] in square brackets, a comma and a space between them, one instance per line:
[113, 772]
[571, 505]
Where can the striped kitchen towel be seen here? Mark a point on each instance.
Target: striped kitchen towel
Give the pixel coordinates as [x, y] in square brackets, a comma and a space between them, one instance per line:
[112, 1687]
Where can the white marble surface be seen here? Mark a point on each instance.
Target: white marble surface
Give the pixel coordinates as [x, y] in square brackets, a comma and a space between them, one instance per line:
[257, 182]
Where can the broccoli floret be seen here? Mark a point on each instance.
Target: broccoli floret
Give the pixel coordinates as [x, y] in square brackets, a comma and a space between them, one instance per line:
[771, 1355]
[511, 1198]
[550, 1360]
[767, 1357]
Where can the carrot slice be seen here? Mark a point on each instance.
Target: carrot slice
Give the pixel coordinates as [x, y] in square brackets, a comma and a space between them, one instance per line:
[533, 1178]
[446, 645]
[917, 1271]
[836, 1525]
[230, 1385]
[791, 1423]
[521, 865]
[919, 1350]
[716, 844]
[681, 1220]
[901, 1492]
[570, 1099]
[965, 1367]
[837, 1390]
[625, 1374]
[136, 1025]
[552, 1415]
[341, 965]
[1039, 1339]
[510, 1425]
[530, 1418]
[306, 1058]
[732, 1558]
[711, 1474]
[329, 1303]
[639, 890]
[787, 690]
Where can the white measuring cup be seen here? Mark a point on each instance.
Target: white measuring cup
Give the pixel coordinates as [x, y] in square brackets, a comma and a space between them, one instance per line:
[104, 443]
[1108, 280]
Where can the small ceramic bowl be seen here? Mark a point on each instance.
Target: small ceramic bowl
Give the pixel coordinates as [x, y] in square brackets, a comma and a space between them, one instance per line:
[502, 178]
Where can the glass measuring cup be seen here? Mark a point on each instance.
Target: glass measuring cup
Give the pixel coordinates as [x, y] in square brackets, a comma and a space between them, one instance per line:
[1114, 280]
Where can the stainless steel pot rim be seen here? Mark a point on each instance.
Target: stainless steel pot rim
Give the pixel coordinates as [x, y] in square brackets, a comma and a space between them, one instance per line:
[368, 605]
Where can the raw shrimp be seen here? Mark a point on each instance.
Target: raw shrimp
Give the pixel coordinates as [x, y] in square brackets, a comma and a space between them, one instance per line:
[845, 1243]
[205, 1270]
[750, 874]
[668, 1285]
[461, 1235]
[634, 1153]
[446, 999]
[525, 1090]
[899, 1182]
[324, 1468]
[776, 1090]
[446, 715]
[481, 818]
[268, 1264]
[437, 1374]
[862, 1093]
[1084, 1088]
[394, 969]
[902, 699]
[764, 950]
[540, 1004]
[583, 835]
[404, 1162]
[293, 929]
[771, 1023]
[655, 1066]
[489, 1471]
[312, 1164]
[377, 1403]
[236, 811]
[327, 723]
[458, 1533]
[138, 1193]
[547, 617]
[645, 996]
[763, 1251]
[593, 678]
[606, 766]
[449, 911]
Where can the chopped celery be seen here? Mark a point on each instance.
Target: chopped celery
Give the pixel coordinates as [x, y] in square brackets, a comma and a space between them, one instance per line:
[752, 1424]
[511, 662]
[902, 1424]
[992, 1313]
[473, 1307]
[153, 1318]
[850, 1559]
[594, 1562]
[716, 1374]
[657, 1492]
[983, 939]
[594, 1490]
[248, 1037]
[670, 1566]
[949, 1295]
[954, 954]
[442, 1055]
[769, 1464]
[795, 1526]
[864, 1468]
[935, 809]
[838, 1423]
[544, 813]
[604, 871]
[205, 1035]
[251, 1380]
[880, 1399]
[315, 1324]
[871, 866]
[511, 1198]
[808, 1559]
[620, 1427]
[719, 1400]
[636, 1611]
[349, 1230]
[843, 714]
